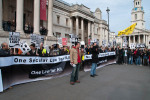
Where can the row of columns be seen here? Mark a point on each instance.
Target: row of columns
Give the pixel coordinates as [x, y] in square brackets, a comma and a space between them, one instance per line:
[82, 28]
[145, 39]
[19, 16]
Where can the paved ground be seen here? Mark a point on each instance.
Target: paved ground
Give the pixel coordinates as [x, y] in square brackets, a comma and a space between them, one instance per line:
[115, 82]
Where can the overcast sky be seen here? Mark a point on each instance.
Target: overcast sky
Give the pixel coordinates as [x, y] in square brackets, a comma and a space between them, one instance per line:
[120, 11]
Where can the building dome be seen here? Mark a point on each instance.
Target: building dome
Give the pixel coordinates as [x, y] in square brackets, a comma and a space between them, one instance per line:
[98, 10]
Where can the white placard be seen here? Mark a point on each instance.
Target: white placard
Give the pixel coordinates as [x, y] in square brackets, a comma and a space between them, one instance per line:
[36, 39]
[132, 46]
[14, 39]
[24, 47]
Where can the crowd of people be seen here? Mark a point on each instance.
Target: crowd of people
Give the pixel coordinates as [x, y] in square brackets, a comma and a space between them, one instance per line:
[77, 52]
[54, 50]
[136, 56]
[123, 55]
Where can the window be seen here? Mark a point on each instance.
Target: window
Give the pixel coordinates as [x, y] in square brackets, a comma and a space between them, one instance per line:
[66, 21]
[138, 3]
[58, 35]
[58, 19]
[135, 16]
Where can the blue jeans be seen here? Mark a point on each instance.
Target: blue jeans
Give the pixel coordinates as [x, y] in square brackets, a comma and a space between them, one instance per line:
[75, 73]
[130, 60]
[145, 57]
[93, 68]
[138, 60]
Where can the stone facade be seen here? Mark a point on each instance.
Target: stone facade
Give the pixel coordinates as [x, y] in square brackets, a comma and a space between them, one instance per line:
[63, 19]
[112, 36]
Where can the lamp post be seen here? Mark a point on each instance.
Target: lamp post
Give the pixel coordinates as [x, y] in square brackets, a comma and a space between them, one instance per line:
[108, 10]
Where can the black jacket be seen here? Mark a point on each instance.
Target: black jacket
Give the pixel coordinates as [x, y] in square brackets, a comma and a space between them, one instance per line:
[138, 53]
[4, 52]
[95, 55]
[32, 53]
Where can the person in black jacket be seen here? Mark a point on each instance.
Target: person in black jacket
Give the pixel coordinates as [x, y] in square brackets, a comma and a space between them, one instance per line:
[120, 56]
[138, 57]
[94, 60]
[33, 51]
[117, 54]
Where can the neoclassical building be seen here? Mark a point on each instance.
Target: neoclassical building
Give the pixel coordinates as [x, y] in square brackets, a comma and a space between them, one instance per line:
[140, 34]
[62, 19]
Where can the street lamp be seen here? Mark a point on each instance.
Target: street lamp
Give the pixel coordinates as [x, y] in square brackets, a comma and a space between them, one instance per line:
[108, 10]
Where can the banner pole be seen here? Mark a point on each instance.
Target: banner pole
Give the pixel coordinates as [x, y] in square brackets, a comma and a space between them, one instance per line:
[46, 41]
[14, 51]
[1, 83]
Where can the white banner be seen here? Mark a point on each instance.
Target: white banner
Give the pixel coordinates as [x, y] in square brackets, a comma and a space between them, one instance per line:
[87, 57]
[17, 60]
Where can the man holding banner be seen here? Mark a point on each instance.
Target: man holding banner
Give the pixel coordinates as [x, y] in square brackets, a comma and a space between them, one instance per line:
[5, 50]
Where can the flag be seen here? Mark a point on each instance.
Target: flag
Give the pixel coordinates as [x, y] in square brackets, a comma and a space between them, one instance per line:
[43, 10]
[128, 30]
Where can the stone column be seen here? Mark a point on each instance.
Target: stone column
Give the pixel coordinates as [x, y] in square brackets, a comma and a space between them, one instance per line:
[92, 31]
[139, 39]
[37, 16]
[134, 39]
[1, 15]
[19, 16]
[89, 28]
[50, 18]
[121, 42]
[71, 25]
[77, 26]
[144, 39]
[82, 28]
[129, 40]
